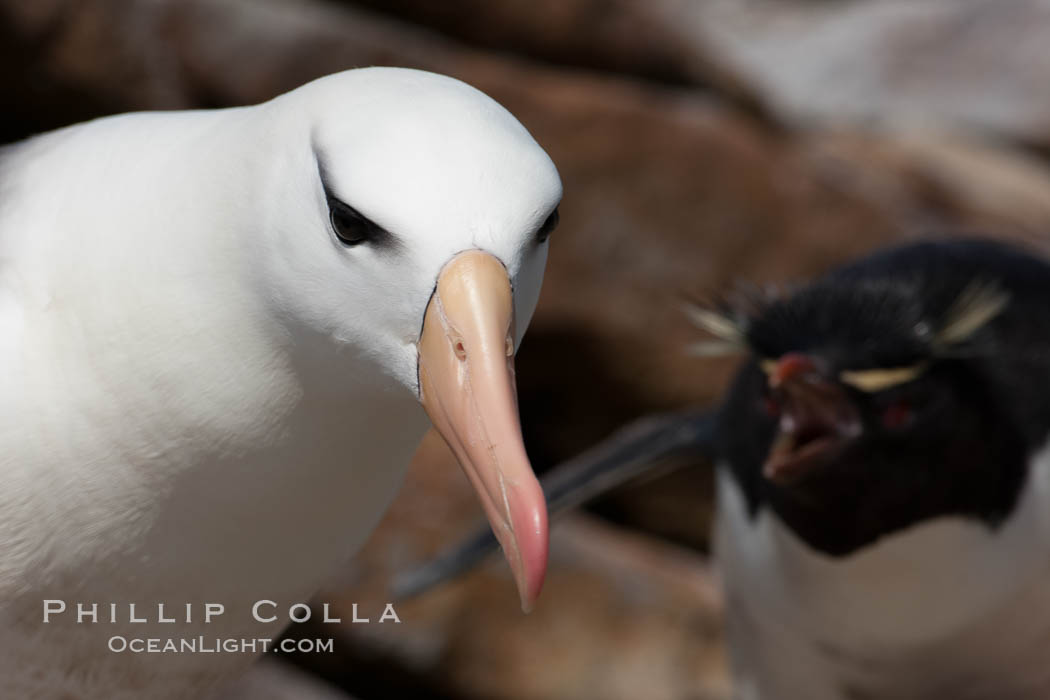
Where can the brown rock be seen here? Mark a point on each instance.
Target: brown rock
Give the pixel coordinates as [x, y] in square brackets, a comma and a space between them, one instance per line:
[619, 36]
[979, 65]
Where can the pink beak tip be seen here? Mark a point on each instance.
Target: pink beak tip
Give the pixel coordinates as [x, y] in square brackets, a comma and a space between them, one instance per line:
[532, 540]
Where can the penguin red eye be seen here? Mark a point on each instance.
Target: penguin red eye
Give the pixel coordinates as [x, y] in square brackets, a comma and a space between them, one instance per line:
[898, 414]
[770, 406]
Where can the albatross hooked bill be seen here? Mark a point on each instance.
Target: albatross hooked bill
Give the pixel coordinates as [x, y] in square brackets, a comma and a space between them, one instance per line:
[466, 381]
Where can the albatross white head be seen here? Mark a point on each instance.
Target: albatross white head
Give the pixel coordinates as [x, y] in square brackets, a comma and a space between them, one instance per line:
[426, 208]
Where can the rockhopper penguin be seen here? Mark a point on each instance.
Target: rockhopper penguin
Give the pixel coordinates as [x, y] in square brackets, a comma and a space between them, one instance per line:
[884, 510]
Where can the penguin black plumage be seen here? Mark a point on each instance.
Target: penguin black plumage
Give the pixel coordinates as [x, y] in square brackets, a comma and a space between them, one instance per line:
[883, 469]
[883, 526]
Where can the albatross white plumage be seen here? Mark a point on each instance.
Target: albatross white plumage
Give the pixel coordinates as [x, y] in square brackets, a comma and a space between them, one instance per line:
[216, 332]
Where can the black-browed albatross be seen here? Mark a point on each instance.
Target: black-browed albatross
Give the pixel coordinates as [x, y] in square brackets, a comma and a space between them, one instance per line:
[216, 331]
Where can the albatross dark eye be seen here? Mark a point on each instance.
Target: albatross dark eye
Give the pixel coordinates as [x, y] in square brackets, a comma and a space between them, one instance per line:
[352, 227]
[549, 225]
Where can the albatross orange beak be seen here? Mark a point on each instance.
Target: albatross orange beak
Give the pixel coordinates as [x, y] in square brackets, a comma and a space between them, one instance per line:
[466, 381]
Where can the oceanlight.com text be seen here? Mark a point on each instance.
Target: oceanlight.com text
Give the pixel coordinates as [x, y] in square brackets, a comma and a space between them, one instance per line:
[217, 645]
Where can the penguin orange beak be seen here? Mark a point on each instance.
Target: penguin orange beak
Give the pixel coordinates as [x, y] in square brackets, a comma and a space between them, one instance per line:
[466, 383]
[817, 420]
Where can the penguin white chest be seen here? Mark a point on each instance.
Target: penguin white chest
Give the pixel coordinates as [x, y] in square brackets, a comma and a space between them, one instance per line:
[909, 615]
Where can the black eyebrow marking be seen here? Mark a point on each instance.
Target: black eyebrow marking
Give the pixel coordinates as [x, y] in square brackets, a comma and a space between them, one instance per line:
[378, 237]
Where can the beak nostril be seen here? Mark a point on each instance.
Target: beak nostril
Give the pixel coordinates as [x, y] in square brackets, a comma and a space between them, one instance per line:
[460, 350]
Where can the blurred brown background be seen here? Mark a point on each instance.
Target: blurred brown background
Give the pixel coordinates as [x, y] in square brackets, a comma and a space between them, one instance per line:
[700, 143]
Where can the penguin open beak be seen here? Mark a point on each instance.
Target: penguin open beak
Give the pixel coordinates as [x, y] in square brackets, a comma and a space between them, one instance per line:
[466, 382]
[817, 420]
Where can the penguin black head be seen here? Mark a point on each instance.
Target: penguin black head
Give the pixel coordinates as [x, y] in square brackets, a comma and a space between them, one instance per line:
[906, 386]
